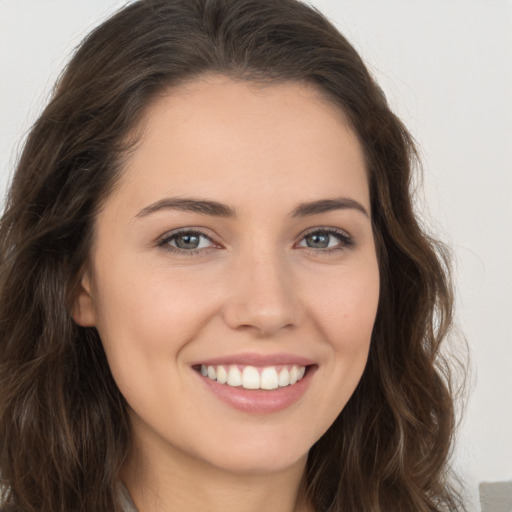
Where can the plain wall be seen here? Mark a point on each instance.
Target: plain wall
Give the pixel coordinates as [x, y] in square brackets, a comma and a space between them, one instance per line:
[446, 68]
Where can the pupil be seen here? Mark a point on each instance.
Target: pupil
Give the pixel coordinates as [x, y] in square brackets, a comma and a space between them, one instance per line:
[318, 240]
[187, 241]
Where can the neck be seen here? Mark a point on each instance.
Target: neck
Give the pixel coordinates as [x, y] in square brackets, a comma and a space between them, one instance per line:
[170, 480]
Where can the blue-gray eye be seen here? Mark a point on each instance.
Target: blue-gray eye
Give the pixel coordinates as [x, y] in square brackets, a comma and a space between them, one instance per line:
[325, 239]
[187, 240]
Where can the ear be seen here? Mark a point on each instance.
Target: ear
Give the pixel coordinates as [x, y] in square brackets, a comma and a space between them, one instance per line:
[83, 309]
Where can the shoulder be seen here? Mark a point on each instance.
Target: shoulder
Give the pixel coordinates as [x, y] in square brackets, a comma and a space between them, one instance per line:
[125, 499]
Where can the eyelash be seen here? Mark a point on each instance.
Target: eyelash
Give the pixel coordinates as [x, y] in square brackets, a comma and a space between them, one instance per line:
[165, 242]
[346, 241]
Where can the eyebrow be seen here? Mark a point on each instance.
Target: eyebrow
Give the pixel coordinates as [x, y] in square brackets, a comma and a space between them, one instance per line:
[328, 205]
[216, 209]
[201, 206]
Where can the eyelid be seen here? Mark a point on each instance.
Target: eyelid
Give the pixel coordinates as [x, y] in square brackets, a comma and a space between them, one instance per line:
[346, 240]
[164, 240]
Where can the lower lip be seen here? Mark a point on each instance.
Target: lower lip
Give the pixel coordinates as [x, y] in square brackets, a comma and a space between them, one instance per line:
[260, 401]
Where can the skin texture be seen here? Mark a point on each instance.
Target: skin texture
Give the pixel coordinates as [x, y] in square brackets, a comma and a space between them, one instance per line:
[252, 286]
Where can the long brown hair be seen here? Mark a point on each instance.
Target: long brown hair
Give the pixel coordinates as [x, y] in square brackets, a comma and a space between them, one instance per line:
[64, 431]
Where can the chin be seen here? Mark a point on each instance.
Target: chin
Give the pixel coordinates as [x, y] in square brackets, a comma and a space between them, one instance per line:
[254, 455]
[252, 464]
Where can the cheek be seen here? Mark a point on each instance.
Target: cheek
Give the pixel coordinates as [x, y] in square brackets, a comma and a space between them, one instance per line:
[346, 307]
[344, 311]
[146, 305]
[144, 321]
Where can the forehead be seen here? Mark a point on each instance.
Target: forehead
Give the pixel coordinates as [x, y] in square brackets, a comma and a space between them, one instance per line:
[217, 136]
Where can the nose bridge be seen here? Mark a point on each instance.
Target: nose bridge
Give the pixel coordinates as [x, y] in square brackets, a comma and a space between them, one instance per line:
[261, 291]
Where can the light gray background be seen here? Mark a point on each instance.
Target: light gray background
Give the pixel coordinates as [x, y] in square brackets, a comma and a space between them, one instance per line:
[446, 67]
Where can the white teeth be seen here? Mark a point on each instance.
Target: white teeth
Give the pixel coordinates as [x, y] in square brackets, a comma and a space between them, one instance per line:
[254, 378]
[269, 379]
[294, 375]
[284, 377]
[222, 375]
[234, 377]
[250, 378]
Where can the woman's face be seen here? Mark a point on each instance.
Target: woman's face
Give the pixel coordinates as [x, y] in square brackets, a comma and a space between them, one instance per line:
[238, 244]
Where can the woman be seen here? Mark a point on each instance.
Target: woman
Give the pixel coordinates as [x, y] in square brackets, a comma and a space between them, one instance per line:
[214, 290]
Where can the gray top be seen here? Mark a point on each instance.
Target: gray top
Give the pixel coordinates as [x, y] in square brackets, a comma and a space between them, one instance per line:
[125, 499]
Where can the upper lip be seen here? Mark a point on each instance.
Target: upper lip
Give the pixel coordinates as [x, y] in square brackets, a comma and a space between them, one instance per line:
[253, 359]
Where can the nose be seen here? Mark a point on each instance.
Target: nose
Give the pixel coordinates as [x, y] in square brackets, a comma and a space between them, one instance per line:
[261, 296]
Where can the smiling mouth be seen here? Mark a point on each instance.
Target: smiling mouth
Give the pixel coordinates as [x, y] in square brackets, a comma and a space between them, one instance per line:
[253, 377]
